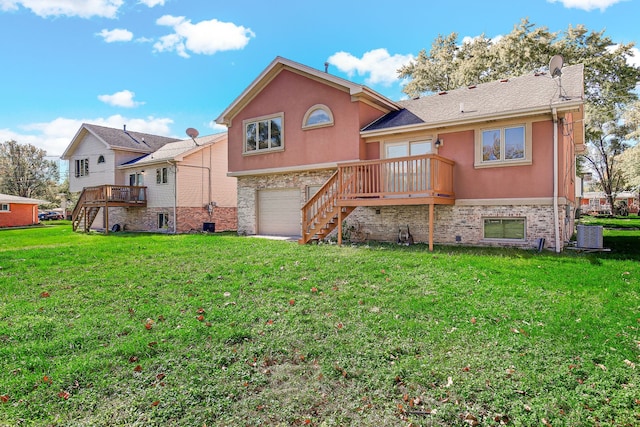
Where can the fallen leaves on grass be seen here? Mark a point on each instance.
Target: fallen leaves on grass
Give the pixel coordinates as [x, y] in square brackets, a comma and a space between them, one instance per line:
[4, 398]
[471, 420]
[64, 395]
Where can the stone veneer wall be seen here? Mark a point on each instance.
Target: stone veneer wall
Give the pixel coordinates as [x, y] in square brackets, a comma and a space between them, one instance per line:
[248, 187]
[458, 224]
[146, 219]
[463, 221]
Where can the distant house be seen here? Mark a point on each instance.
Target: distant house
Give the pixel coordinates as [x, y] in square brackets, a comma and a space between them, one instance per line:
[144, 182]
[596, 202]
[489, 164]
[18, 211]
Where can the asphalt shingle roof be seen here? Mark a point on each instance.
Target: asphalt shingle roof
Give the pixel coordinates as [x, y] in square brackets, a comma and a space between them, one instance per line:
[174, 149]
[8, 198]
[528, 92]
[119, 138]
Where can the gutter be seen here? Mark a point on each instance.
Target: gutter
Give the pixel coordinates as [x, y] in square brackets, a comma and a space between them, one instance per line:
[175, 194]
[556, 220]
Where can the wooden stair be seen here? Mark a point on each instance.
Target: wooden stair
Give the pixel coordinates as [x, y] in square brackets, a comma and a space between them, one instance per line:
[83, 214]
[321, 214]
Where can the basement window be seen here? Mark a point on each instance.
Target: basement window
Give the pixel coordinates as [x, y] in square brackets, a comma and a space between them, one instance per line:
[163, 220]
[504, 228]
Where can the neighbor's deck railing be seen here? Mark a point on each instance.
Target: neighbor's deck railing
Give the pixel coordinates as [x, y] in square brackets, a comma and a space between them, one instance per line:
[115, 194]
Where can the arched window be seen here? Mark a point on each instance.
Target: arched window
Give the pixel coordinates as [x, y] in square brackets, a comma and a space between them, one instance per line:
[317, 116]
[101, 159]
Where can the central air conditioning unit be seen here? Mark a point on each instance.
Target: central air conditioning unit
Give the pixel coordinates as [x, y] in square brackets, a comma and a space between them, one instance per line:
[589, 236]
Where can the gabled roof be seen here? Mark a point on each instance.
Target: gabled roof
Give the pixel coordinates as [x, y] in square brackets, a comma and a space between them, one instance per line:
[279, 64]
[118, 139]
[526, 95]
[176, 151]
[8, 198]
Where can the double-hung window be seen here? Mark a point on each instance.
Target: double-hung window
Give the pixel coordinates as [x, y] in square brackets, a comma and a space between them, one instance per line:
[82, 167]
[162, 175]
[264, 134]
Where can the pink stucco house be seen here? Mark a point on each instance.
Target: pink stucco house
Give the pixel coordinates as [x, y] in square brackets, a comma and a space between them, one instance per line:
[144, 182]
[490, 164]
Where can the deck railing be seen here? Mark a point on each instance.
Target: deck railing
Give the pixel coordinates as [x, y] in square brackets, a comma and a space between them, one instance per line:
[423, 179]
[115, 194]
[427, 175]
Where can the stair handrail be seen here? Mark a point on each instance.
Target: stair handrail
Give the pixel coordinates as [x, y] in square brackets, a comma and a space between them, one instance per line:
[318, 204]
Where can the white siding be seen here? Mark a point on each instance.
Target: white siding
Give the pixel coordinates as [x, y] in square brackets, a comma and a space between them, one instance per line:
[99, 173]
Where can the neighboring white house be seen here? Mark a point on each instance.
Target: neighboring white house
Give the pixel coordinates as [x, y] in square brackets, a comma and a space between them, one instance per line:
[148, 182]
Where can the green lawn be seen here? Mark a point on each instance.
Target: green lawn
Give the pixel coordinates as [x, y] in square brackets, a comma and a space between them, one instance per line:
[220, 330]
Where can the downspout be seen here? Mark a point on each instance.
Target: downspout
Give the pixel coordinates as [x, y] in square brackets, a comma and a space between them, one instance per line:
[175, 194]
[556, 219]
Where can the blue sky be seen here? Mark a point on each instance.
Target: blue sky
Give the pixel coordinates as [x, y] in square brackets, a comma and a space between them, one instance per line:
[161, 66]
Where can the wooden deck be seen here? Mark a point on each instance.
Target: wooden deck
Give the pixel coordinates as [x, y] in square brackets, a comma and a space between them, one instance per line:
[413, 180]
[104, 196]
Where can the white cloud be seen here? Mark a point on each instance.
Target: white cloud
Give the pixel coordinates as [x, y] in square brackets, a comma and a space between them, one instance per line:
[80, 8]
[587, 5]
[205, 37]
[124, 98]
[55, 136]
[469, 39]
[116, 35]
[153, 3]
[381, 67]
[217, 128]
[635, 59]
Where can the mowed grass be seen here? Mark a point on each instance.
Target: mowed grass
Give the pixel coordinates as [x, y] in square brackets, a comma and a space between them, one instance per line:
[220, 330]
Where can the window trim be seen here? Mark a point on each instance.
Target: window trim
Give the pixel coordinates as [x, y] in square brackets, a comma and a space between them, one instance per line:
[506, 239]
[310, 111]
[82, 167]
[528, 134]
[165, 221]
[162, 175]
[256, 120]
[5, 207]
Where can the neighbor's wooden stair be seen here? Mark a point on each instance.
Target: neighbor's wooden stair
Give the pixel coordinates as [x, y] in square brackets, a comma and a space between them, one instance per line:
[320, 215]
[83, 214]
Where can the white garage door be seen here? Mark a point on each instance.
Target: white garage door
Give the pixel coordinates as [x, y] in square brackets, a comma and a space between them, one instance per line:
[279, 212]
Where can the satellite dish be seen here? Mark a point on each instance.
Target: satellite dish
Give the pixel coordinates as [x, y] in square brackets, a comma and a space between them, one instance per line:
[555, 65]
[193, 133]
